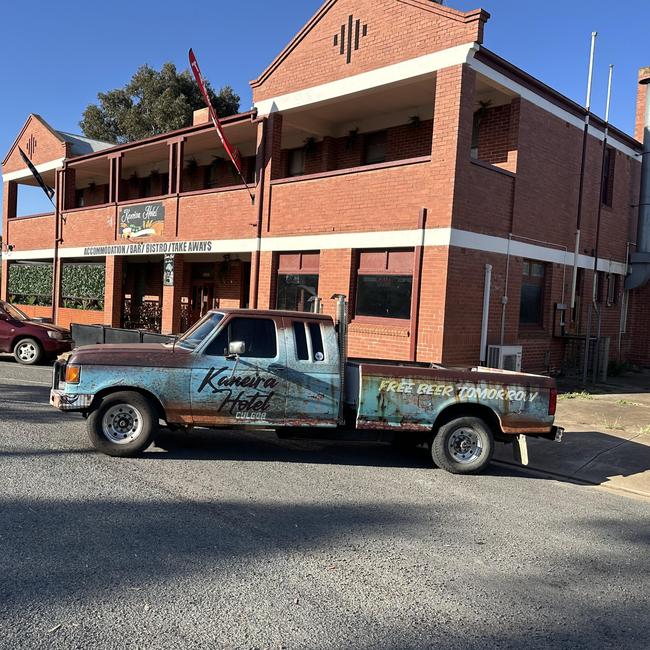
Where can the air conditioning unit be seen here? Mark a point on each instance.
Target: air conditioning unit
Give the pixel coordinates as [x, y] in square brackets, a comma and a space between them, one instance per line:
[506, 357]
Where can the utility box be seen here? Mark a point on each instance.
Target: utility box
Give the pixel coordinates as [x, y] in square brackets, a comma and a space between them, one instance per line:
[505, 357]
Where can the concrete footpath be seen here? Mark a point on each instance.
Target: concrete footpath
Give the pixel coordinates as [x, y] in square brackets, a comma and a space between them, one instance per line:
[607, 439]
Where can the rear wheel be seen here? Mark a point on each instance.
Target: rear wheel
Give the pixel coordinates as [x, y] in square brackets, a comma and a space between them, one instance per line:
[28, 351]
[124, 424]
[463, 446]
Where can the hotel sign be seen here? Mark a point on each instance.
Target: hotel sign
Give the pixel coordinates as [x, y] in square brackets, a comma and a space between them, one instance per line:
[143, 220]
[153, 248]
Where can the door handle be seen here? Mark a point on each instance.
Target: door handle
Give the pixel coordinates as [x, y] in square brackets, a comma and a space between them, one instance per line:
[276, 367]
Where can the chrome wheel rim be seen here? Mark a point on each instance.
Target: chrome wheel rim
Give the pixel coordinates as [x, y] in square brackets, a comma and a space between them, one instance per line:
[465, 445]
[122, 424]
[26, 351]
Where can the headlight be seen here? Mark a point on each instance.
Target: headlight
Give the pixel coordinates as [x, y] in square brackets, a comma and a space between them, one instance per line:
[53, 334]
[72, 374]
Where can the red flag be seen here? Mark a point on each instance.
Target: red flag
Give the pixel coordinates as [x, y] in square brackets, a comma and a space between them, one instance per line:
[230, 150]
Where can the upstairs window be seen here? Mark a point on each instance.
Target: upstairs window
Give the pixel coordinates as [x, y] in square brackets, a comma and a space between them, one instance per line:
[608, 177]
[532, 293]
[385, 283]
[296, 162]
[375, 147]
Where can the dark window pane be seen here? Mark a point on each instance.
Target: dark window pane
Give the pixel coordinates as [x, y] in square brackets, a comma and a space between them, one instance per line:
[375, 148]
[531, 304]
[385, 296]
[302, 352]
[296, 162]
[294, 291]
[317, 342]
[219, 346]
[258, 334]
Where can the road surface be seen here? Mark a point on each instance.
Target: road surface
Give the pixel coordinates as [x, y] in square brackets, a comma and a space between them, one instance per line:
[226, 540]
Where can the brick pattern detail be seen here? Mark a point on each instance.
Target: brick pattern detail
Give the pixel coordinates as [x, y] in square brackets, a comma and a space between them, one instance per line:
[397, 31]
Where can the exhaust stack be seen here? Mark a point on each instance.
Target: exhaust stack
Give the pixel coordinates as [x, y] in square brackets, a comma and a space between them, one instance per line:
[640, 261]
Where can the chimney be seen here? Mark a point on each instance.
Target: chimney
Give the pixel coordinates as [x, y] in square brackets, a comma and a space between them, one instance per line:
[640, 260]
[644, 77]
[200, 116]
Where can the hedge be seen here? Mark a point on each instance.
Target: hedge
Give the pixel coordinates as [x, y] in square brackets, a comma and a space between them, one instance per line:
[30, 284]
[82, 285]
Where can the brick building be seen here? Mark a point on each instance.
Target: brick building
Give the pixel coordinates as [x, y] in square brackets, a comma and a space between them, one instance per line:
[394, 159]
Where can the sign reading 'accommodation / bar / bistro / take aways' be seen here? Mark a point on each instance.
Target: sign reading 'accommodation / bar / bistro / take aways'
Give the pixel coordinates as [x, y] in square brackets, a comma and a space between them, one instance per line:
[143, 220]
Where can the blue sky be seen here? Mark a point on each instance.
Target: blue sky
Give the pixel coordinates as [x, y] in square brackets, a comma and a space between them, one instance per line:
[58, 55]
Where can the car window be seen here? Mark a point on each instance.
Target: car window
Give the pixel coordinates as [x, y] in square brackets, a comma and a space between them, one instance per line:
[308, 339]
[258, 334]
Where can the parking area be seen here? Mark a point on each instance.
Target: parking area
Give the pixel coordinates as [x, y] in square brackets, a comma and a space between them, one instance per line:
[222, 539]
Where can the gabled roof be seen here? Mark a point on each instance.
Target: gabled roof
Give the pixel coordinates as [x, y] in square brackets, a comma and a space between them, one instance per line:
[81, 145]
[432, 6]
[31, 117]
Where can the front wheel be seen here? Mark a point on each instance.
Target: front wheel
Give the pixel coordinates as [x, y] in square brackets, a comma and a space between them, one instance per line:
[123, 425]
[463, 446]
[28, 352]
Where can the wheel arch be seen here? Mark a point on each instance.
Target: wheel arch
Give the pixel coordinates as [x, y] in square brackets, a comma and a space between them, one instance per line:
[110, 390]
[21, 336]
[481, 411]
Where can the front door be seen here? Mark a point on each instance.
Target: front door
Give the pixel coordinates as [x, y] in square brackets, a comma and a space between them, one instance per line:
[248, 390]
[202, 299]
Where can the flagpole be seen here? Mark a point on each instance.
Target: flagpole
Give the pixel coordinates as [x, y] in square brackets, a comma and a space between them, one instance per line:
[232, 153]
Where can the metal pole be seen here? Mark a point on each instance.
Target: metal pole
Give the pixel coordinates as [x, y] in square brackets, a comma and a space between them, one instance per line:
[582, 169]
[594, 282]
[486, 313]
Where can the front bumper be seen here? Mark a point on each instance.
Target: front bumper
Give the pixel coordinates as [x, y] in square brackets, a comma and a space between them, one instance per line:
[67, 402]
[54, 347]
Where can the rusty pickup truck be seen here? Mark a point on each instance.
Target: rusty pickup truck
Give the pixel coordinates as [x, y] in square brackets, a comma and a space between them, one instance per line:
[288, 371]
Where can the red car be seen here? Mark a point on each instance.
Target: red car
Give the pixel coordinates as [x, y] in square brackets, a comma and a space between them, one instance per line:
[30, 341]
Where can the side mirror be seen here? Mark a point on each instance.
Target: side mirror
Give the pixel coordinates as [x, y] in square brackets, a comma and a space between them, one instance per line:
[236, 349]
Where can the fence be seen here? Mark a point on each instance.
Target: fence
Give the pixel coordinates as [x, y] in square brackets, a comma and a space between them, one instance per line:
[102, 334]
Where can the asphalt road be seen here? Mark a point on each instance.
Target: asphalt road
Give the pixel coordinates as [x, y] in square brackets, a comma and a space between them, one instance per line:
[241, 541]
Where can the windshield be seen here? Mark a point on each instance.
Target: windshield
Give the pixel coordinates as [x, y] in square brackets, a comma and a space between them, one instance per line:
[14, 312]
[193, 337]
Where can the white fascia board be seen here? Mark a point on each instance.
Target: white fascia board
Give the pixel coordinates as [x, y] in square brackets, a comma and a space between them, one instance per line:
[25, 173]
[491, 244]
[395, 73]
[431, 237]
[385, 239]
[548, 106]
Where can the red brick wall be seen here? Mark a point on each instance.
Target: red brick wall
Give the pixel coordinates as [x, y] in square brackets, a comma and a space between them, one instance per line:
[390, 39]
[67, 316]
[498, 136]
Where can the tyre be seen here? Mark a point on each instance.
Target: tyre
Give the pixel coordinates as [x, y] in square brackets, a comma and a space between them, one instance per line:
[28, 352]
[463, 446]
[123, 424]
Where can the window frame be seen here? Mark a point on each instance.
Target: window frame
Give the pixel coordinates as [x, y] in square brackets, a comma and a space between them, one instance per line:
[290, 156]
[537, 281]
[386, 271]
[225, 326]
[368, 143]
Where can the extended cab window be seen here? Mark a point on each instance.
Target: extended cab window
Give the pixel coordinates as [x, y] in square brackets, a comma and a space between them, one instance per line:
[258, 334]
[309, 341]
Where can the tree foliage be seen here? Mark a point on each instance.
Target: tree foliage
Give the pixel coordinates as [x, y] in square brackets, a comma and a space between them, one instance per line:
[153, 102]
